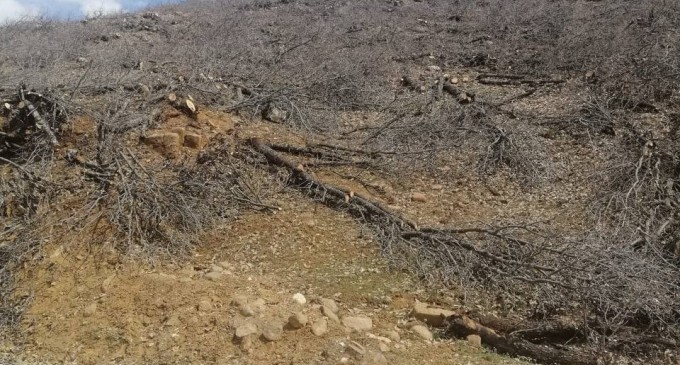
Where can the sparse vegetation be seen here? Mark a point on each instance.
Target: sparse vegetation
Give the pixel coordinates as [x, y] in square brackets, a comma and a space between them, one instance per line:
[363, 81]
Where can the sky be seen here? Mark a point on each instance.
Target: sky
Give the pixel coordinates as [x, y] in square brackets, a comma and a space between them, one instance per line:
[12, 10]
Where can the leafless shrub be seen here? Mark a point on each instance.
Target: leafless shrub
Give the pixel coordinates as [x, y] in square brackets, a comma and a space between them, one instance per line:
[517, 151]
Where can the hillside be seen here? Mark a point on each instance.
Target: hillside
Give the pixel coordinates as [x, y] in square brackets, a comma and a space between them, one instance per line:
[324, 182]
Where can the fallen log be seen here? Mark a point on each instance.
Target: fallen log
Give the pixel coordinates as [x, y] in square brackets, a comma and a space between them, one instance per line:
[331, 195]
[462, 326]
[463, 97]
[505, 79]
[40, 123]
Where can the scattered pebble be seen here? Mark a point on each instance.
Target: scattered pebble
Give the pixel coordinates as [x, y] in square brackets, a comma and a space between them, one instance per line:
[320, 327]
[423, 332]
[356, 349]
[328, 312]
[474, 340]
[272, 331]
[297, 320]
[299, 299]
[90, 310]
[247, 310]
[245, 330]
[418, 197]
[329, 305]
[358, 323]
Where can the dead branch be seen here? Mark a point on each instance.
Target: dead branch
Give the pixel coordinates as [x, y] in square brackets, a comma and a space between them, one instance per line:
[40, 123]
[330, 194]
[462, 326]
[463, 97]
[505, 80]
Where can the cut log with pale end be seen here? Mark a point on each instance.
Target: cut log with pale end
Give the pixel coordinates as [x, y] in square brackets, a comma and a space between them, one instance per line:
[190, 106]
[463, 97]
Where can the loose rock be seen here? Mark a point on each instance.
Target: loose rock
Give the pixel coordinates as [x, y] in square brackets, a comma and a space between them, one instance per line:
[320, 327]
[297, 320]
[247, 311]
[259, 305]
[275, 114]
[358, 323]
[328, 312]
[432, 316]
[272, 331]
[299, 298]
[239, 301]
[356, 349]
[418, 197]
[394, 336]
[166, 143]
[106, 285]
[474, 340]
[245, 330]
[190, 106]
[423, 332]
[374, 358]
[329, 305]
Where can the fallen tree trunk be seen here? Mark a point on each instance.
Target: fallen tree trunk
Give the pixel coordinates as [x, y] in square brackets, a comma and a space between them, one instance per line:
[40, 123]
[462, 326]
[544, 341]
[463, 97]
[330, 194]
[504, 80]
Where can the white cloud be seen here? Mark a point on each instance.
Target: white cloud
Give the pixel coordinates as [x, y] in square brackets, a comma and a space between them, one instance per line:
[12, 10]
[96, 7]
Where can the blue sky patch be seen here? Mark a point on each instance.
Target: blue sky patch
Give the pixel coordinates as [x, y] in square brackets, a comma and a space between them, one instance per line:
[12, 10]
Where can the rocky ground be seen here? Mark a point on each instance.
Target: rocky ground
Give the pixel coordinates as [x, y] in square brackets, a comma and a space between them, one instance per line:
[301, 286]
